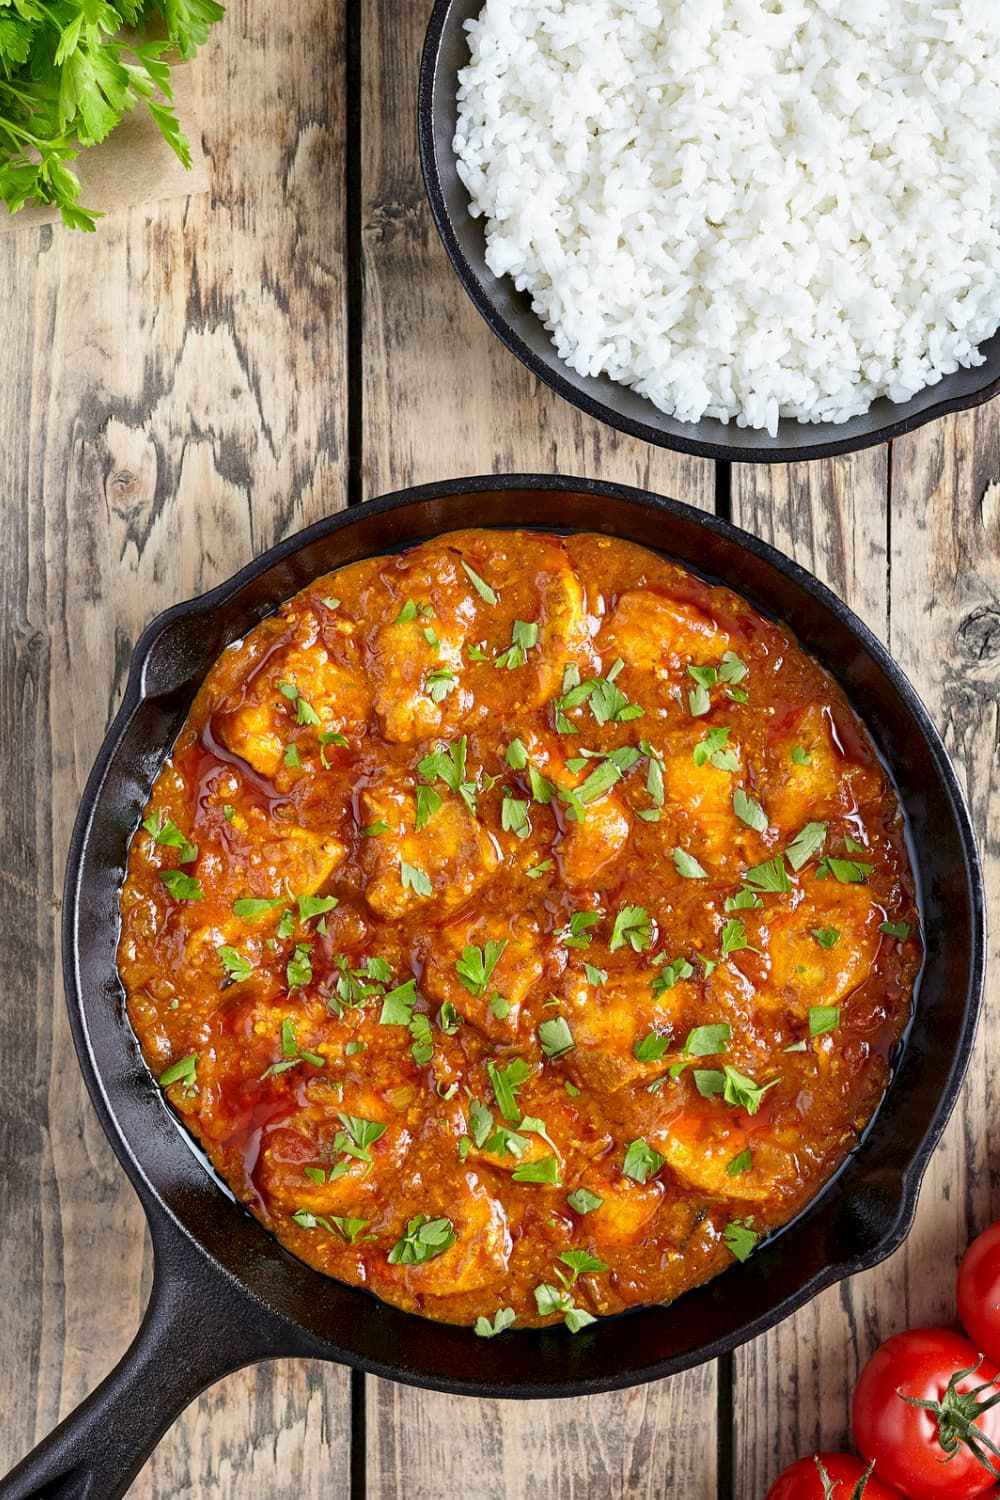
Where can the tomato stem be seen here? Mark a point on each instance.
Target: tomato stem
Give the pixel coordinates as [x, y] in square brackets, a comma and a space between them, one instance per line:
[858, 1491]
[957, 1414]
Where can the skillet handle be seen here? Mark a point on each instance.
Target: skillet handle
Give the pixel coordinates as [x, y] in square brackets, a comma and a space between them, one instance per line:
[197, 1327]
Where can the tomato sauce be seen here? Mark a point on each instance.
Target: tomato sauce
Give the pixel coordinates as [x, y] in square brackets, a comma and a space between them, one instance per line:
[522, 925]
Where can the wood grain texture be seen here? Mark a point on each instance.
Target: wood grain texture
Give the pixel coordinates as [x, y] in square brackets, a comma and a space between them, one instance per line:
[172, 402]
[443, 398]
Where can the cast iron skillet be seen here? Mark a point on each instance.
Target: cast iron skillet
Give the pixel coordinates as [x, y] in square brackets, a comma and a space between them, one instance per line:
[224, 1293]
[509, 314]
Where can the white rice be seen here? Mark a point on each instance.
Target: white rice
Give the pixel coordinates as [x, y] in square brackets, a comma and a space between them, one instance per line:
[744, 208]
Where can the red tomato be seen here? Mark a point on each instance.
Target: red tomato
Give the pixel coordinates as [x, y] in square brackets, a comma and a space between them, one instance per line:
[929, 1454]
[845, 1480]
[979, 1291]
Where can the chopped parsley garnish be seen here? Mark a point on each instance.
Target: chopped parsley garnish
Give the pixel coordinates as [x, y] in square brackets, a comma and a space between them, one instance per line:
[654, 773]
[641, 1161]
[734, 938]
[237, 966]
[576, 933]
[514, 816]
[516, 755]
[730, 671]
[424, 1239]
[428, 801]
[447, 764]
[228, 811]
[162, 831]
[805, 844]
[414, 879]
[740, 1164]
[184, 1071]
[315, 906]
[742, 901]
[555, 1037]
[605, 699]
[595, 976]
[827, 937]
[900, 930]
[686, 865]
[800, 756]
[502, 1318]
[476, 965]
[304, 711]
[670, 973]
[739, 1239]
[702, 1041]
[349, 1229]
[500, 1007]
[735, 1088]
[397, 1004]
[292, 757]
[439, 682]
[749, 811]
[823, 1018]
[411, 609]
[544, 1170]
[632, 926]
[582, 1201]
[524, 636]
[506, 1082]
[652, 1047]
[181, 886]
[330, 737]
[538, 871]
[330, 601]
[299, 969]
[714, 748]
[480, 585]
[249, 908]
[291, 1053]
[374, 829]
[847, 871]
[558, 1299]
[770, 876]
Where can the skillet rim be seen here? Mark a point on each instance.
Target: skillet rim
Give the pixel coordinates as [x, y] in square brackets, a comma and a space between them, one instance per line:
[302, 1338]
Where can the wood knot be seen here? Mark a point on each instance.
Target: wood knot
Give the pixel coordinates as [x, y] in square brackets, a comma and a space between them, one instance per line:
[978, 635]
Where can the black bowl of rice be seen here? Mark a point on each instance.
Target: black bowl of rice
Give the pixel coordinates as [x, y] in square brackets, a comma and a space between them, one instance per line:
[744, 229]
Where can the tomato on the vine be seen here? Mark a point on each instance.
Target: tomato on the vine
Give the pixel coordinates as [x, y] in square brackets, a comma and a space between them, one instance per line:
[979, 1291]
[924, 1412]
[830, 1476]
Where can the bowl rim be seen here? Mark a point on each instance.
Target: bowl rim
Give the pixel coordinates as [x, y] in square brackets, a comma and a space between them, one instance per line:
[169, 1211]
[551, 370]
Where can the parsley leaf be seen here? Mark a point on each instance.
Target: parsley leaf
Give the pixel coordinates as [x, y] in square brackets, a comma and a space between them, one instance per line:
[739, 1239]
[823, 1018]
[162, 831]
[480, 585]
[749, 811]
[415, 879]
[807, 842]
[502, 1318]
[424, 1239]
[236, 965]
[524, 636]
[641, 1161]
[582, 1201]
[506, 1082]
[555, 1037]
[476, 965]
[181, 886]
[847, 871]
[827, 937]
[900, 930]
[686, 865]
[633, 926]
[770, 876]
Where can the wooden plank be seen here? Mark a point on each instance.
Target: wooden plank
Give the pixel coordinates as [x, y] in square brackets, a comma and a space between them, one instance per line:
[792, 1386]
[161, 420]
[443, 398]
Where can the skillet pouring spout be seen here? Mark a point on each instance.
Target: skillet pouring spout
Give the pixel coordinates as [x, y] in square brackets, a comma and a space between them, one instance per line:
[197, 1328]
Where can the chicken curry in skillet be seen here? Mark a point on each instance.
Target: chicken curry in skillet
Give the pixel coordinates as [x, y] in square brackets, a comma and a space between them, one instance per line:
[522, 925]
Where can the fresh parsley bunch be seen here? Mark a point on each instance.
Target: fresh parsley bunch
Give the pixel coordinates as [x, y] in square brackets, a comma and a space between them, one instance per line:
[68, 75]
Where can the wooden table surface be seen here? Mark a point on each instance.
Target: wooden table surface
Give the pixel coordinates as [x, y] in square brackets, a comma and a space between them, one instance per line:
[204, 376]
